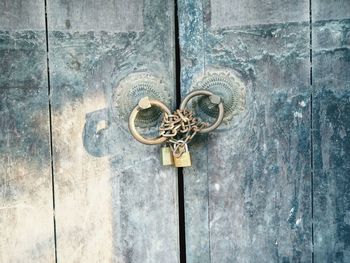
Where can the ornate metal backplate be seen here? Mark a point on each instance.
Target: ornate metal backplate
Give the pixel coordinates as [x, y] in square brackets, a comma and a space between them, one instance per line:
[134, 87]
[228, 86]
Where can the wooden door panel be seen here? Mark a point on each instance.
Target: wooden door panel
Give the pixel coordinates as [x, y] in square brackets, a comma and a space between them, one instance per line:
[114, 201]
[268, 186]
[229, 13]
[195, 186]
[249, 191]
[26, 214]
[331, 125]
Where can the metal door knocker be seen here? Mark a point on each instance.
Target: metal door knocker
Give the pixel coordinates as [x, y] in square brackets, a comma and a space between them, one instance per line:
[146, 103]
[177, 129]
[214, 99]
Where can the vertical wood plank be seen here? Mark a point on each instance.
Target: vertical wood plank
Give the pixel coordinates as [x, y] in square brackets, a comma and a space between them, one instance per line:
[114, 201]
[331, 124]
[258, 165]
[195, 179]
[26, 215]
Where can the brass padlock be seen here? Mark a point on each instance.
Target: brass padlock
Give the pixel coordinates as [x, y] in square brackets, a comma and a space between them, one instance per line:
[166, 155]
[183, 159]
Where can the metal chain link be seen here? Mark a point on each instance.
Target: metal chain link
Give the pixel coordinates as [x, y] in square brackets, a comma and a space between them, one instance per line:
[179, 128]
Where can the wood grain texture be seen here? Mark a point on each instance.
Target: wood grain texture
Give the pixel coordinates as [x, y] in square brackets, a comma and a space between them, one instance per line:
[331, 125]
[195, 178]
[253, 179]
[90, 15]
[114, 201]
[330, 10]
[26, 215]
[22, 15]
[228, 13]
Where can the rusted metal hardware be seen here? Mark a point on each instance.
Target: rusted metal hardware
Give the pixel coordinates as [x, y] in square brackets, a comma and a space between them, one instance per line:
[177, 129]
[213, 99]
[146, 103]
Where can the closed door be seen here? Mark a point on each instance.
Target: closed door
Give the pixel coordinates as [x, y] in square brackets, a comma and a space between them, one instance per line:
[272, 184]
[75, 186]
[269, 185]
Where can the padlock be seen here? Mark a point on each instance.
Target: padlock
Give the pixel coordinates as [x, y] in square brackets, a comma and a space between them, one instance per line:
[182, 158]
[166, 155]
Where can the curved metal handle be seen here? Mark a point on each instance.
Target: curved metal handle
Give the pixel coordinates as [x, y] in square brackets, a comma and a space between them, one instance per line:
[215, 99]
[146, 103]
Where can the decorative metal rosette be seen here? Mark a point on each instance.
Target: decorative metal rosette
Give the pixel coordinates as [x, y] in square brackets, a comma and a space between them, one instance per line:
[226, 85]
[134, 87]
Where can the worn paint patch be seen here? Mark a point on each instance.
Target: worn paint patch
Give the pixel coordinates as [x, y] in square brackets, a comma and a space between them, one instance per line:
[26, 216]
[23, 61]
[191, 42]
[18, 15]
[228, 13]
[110, 15]
[330, 10]
[83, 194]
[331, 109]
[332, 199]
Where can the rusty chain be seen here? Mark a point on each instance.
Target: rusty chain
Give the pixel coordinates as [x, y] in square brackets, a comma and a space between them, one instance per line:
[179, 128]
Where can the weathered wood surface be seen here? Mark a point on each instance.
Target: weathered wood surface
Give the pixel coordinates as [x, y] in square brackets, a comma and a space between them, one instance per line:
[248, 195]
[90, 15]
[331, 125]
[22, 15]
[229, 13]
[26, 215]
[195, 178]
[114, 201]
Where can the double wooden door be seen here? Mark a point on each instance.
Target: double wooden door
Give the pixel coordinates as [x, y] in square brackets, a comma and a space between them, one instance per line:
[270, 185]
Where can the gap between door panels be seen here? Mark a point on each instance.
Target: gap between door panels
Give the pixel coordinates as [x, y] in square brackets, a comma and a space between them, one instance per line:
[50, 132]
[182, 232]
[311, 135]
[181, 195]
[181, 201]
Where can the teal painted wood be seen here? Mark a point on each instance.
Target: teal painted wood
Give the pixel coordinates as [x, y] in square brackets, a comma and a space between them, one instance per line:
[114, 201]
[229, 13]
[250, 188]
[331, 124]
[26, 215]
[195, 178]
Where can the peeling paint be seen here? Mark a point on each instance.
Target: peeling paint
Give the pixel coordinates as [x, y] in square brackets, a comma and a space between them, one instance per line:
[115, 203]
[261, 159]
[26, 223]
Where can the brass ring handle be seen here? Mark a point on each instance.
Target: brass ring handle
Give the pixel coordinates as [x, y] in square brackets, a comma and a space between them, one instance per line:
[146, 103]
[215, 99]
